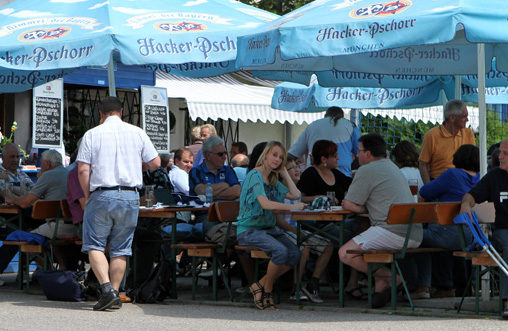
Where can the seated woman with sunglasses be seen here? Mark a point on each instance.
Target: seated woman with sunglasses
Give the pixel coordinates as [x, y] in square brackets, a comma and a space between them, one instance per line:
[258, 226]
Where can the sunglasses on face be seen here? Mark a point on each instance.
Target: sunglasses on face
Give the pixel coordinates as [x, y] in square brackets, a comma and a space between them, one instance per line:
[220, 154]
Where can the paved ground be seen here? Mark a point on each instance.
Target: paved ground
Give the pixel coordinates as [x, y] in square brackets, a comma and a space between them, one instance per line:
[20, 311]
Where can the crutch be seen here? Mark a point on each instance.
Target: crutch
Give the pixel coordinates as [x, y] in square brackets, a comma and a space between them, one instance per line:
[480, 241]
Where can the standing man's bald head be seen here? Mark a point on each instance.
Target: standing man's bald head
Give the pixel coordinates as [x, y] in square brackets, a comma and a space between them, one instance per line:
[240, 160]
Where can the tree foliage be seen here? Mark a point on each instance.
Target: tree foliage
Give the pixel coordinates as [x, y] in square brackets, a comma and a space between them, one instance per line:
[497, 129]
[279, 7]
[395, 130]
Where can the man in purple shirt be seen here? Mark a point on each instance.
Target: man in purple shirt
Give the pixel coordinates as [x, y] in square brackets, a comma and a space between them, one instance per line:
[75, 197]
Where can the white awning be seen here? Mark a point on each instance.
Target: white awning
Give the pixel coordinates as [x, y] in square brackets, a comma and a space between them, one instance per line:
[223, 97]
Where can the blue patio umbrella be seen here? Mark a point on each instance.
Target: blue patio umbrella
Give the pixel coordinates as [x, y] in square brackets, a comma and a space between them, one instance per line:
[195, 38]
[442, 37]
[315, 98]
[396, 37]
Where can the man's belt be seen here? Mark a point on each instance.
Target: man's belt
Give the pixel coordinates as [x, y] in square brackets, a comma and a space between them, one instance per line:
[116, 188]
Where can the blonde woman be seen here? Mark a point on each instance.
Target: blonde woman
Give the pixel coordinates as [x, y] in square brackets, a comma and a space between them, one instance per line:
[259, 227]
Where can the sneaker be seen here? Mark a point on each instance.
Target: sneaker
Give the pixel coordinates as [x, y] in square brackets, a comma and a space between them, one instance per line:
[313, 295]
[209, 274]
[441, 293]
[242, 289]
[505, 313]
[419, 294]
[302, 296]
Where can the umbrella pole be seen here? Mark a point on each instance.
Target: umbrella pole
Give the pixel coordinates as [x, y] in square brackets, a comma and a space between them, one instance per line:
[111, 76]
[483, 131]
[482, 107]
[458, 87]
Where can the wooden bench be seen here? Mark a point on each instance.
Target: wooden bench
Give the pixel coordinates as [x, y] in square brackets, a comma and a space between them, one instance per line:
[479, 259]
[407, 213]
[255, 253]
[202, 251]
[42, 209]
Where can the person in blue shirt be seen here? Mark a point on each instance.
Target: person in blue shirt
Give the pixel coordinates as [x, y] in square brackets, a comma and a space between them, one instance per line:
[332, 127]
[450, 186]
[212, 170]
[259, 227]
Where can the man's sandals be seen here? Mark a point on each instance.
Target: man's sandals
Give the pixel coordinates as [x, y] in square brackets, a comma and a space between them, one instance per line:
[260, 290]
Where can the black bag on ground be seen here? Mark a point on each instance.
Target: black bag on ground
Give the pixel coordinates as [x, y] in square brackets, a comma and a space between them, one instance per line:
[61, 285]
[156, 288]
[92, 290]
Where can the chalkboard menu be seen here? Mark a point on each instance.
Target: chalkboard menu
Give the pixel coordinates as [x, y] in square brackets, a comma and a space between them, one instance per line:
[156, 126]
[47, 115]
[156, 116]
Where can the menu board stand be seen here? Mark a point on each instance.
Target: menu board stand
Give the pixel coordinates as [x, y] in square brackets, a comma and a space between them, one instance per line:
[154, 103]
[47, 131]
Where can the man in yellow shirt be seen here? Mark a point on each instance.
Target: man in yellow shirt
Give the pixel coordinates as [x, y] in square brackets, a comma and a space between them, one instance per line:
[441, 142]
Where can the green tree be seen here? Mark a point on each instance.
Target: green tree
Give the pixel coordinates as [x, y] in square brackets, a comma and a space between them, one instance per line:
[395, 130]
[279, 7]
[497, 129]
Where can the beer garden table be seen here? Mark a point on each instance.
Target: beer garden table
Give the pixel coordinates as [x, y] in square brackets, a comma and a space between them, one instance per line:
[169, 213]
[336, 215]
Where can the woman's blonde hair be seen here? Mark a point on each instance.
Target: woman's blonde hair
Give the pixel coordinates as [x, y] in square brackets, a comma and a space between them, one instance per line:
[273, 177]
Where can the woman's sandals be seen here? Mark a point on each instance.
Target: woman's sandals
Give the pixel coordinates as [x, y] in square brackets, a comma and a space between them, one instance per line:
[268, 297]
[260, 290]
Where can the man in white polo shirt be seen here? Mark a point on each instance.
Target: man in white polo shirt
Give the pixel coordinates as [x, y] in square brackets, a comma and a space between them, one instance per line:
[109, 169]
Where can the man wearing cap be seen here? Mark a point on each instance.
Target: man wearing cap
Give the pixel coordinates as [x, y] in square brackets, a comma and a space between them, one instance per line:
[109, 169]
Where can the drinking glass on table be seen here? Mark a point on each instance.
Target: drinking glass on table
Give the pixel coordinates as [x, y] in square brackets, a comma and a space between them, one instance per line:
[149, 196]
[7, 193]
[331, 196]
[413, 186]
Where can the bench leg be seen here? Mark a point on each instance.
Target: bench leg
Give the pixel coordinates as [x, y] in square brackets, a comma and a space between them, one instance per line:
[194, 277]
[394, 285]
[501, 287]
[477, 293]
[469, 281]
[21, 268]
[369, 279]
[394, 279]
[214, 281]
[26, 268]
[225, 277]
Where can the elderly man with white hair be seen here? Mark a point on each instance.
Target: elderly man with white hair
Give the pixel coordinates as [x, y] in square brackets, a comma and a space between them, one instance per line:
[10, 172]
[212, 170]
[51, 185]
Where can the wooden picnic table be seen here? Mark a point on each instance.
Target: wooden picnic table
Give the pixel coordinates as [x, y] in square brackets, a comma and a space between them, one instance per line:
[337, 216]
[169, 213]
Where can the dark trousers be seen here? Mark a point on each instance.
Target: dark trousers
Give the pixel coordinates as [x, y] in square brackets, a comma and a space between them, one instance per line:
[7, 253]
